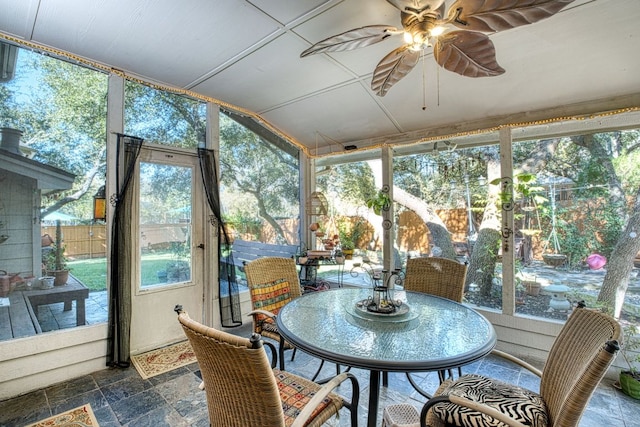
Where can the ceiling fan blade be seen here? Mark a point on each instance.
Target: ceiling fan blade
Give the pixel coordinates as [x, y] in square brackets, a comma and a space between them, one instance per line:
[352, 39]
[392, 68]
[467, 53]
[416, 7]
[499, 15]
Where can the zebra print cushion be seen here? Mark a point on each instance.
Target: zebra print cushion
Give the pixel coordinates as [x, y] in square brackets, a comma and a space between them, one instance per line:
[521, 404]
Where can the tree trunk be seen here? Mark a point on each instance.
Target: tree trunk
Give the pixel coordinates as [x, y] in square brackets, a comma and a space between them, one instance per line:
[483, 260]
[262, 211]
[485, 251]
[616, 280]
[439, 235]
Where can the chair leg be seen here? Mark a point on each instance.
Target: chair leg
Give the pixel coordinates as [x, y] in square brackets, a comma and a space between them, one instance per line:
[281, 353]
[417, 387]
[318, 371]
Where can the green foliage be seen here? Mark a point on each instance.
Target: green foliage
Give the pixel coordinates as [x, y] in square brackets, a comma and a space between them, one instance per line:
[54, 259]
[524, 189]
[627, 166]
[163, 117]
[243, 222]
[439, 178]
[61, 109]
[380, 202]
[257, 178]
[574, 244]
[586, 227]
[630, 348]
[352, 182]
[350, 231]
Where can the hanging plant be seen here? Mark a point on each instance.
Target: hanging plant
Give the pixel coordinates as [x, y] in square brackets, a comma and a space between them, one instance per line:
[380, 202]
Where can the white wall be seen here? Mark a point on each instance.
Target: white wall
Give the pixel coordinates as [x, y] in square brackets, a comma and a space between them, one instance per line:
[32, 363]
[35, 362]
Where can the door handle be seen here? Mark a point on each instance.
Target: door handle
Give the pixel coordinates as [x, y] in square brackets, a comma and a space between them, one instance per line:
[201, 246]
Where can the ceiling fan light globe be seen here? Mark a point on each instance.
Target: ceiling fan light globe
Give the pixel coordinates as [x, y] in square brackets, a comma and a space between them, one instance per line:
[437, 31]
[416, 41]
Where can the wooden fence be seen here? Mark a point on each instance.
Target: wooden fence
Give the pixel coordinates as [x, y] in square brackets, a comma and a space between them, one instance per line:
[89, 241]
[81, 241]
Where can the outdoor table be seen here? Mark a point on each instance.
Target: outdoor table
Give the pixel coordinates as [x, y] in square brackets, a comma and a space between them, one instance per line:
[72, 291]
[433, 334]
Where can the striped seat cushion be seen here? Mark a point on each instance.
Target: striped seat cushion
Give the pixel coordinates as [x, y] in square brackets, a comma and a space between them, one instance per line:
[519, 403]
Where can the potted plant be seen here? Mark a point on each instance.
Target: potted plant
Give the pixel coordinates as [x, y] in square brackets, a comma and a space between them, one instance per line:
[55, 261]
[349, 234]
[533, 287]
[319, 231]
[380, 202]
[530, 283]
[520, 293]
[179, 269]
[629, 378]
[347, 246]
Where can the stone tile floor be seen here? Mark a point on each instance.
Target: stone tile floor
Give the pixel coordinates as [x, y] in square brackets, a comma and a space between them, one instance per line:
[120, 397]
[123, 398]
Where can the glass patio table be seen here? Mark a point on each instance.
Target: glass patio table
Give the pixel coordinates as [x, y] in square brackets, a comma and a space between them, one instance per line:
[428, 333]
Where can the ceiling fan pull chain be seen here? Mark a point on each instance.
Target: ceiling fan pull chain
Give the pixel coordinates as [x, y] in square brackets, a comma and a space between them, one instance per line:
[424, 84]
[438, 84]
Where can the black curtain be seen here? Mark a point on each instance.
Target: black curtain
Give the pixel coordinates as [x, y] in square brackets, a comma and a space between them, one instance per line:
[128, 150]
[227, 285]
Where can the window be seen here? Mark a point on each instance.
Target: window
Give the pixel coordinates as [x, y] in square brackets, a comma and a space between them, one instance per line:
[162, 117]
[56, 111]
[259, 185]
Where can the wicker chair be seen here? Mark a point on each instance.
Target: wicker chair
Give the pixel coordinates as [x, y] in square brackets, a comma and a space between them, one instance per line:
[441, 277]
[262, 275]
[436, 276]
[579, 358]
[243, 390]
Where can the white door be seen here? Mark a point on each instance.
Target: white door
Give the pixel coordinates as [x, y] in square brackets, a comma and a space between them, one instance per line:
[170, 248]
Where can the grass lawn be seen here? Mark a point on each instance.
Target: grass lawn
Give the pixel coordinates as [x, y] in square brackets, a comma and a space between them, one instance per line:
[93, 272]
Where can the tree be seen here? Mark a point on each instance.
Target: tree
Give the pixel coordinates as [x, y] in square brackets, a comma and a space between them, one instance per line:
[251, 165]
[64, 122]
[604, 149]
[484, 256]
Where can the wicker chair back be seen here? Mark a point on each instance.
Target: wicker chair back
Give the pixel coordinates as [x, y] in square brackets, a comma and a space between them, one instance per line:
[436, 276]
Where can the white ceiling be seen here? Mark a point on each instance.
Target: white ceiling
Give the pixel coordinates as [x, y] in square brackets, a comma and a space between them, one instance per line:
[247, 53]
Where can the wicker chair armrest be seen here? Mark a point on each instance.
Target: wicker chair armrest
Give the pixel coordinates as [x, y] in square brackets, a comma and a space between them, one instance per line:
[263, 312]
[504, 418]
[327, 388]
[274, 353]
[517, 361]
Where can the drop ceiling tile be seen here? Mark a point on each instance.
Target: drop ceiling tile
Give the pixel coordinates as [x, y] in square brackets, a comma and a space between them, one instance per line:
[273, 75]
[343, 114]
[172, 42]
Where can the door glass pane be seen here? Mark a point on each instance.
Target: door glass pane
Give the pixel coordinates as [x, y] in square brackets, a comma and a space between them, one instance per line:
[165, 224]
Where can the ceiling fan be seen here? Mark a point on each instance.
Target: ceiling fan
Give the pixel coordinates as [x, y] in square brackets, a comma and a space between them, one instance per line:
[469, 52]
